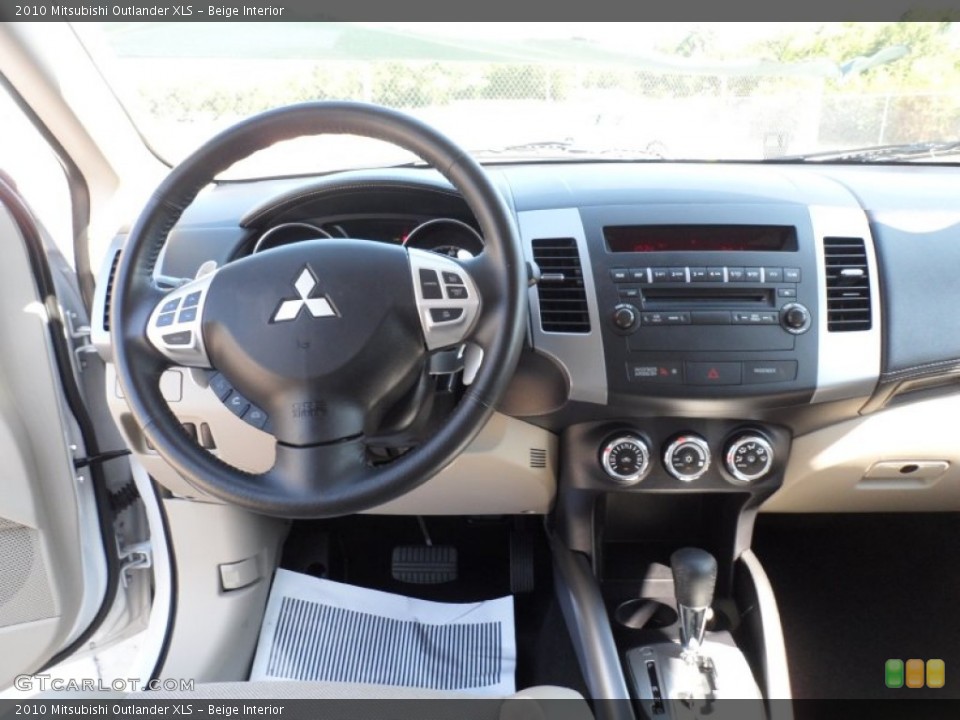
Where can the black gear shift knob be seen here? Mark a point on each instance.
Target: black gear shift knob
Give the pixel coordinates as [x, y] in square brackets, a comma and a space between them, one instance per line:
[694, 577]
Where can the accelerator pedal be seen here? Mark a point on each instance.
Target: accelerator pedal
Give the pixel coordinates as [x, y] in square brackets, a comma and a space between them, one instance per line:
[424, 564]
[521, 561]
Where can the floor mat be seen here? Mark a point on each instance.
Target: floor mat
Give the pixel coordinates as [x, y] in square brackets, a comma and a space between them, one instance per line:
[320, 630]
[857, 590]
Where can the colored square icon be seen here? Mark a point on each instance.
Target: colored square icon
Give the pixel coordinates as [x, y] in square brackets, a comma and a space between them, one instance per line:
[893, 673]
[914, 673]
[936, 673]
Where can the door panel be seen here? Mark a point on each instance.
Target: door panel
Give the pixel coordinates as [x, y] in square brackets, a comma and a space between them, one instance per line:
[52, 567]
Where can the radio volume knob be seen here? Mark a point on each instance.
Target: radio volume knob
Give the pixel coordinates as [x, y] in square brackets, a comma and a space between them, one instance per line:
[625, 317]
[795, 318]
[748, 458]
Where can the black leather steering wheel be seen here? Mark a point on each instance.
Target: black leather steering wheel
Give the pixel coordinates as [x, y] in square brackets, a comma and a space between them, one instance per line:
[323, 335]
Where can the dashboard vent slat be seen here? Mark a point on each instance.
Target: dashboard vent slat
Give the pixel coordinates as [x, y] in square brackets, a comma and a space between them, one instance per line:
[108, 292]
[848, 285]
[563, 299]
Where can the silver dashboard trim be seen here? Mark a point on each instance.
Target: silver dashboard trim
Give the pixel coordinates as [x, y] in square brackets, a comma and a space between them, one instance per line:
[580, 355]
[848, 363]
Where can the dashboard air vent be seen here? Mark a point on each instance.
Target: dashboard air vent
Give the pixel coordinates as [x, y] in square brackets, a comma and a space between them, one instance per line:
[848, 285]
[563, 300]
[108, 293]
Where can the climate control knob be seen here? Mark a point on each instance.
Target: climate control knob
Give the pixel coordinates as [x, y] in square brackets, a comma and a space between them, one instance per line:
[748, 458]
[687, 458]
[626, 459]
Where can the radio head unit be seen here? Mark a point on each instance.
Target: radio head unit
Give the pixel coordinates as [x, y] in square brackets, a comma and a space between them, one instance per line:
[709, 304]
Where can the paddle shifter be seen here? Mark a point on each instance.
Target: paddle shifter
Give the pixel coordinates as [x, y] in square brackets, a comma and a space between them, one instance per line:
[694, 579]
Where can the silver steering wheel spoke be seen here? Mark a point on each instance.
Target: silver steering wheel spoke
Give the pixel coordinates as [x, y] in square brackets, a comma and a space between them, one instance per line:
[448, 301]
[175, 325]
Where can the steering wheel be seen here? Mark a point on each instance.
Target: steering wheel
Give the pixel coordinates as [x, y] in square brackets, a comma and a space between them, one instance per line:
[323, 335]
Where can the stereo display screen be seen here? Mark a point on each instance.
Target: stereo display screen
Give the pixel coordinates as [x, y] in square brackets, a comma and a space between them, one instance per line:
[700, 238]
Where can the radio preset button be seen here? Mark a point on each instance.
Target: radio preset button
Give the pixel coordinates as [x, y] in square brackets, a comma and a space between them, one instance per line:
[735, 274]
[773, 275]
[678, 274]
[698, 274]
[620, 275]
[791, 275]
[639, 275]
[660, 274]
[751, 274]
[715, 274]
[707, 373]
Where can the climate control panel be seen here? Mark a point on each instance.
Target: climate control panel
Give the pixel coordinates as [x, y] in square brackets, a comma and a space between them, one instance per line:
[680, 455]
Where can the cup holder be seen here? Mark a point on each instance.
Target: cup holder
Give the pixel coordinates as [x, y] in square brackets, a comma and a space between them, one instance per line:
[645, 613]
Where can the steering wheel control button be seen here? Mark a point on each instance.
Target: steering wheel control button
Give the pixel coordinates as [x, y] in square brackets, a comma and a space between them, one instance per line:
[237, 404]
[687, 458]
[795, 318]
[665, 372]
[626, 459]
[430, 285]
[165, 320]
[220, 386]
[192, 300]
[183, 337]
[170, 305]
[255, 417]
[446, 321]
[748, 458]
[757, 372]
[445, 315]
[187, 315]
[707, 373]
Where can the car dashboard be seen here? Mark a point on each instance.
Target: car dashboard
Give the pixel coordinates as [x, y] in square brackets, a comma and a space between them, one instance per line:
[779, 334]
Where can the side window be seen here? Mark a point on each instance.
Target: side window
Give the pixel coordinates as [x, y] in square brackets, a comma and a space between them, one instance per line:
[27, 160]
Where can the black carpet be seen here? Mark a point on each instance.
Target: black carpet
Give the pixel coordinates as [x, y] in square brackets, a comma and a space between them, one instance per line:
[856, 590]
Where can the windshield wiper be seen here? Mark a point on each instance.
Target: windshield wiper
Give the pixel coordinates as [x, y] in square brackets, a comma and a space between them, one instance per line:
[879, 153]
[546, 148]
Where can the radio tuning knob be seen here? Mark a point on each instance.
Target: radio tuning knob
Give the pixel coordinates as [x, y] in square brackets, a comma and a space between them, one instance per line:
[795, 318]
[625, 317]
[748, 458]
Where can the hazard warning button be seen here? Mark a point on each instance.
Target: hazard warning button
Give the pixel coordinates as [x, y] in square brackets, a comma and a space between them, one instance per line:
[707, 373]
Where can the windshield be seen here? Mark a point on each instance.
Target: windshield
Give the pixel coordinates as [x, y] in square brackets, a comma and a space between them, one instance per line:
[520, 91]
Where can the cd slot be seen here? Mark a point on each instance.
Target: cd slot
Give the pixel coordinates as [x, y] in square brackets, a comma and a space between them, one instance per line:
[669, 298]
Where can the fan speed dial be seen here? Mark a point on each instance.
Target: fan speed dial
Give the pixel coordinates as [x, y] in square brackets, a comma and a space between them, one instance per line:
[626, 459]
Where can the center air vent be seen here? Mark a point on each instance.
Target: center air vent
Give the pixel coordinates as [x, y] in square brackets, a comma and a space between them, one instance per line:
[108, 292]
[848, 285]
[563, 301]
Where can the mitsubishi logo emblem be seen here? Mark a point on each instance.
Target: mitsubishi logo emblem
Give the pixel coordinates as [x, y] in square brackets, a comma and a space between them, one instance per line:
[318, 307]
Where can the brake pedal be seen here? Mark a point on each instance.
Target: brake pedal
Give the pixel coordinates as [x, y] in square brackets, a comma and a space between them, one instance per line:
[424, 564]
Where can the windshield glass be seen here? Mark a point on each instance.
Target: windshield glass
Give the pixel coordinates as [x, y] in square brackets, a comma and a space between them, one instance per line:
[520, 91]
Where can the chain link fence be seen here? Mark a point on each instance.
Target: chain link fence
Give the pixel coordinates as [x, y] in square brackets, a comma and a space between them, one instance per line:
[662, 113]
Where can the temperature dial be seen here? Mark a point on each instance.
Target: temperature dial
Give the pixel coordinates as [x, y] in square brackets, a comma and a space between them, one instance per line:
[749, 458]
[626, 459]
[687, 458]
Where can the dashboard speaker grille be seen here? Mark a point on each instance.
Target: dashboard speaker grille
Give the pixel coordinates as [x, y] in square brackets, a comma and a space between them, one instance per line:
[538, 458]
[108, 293]
[563, 300]
[848, 285]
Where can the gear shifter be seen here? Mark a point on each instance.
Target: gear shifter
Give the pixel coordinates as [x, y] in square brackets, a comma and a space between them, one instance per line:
[694, 579]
